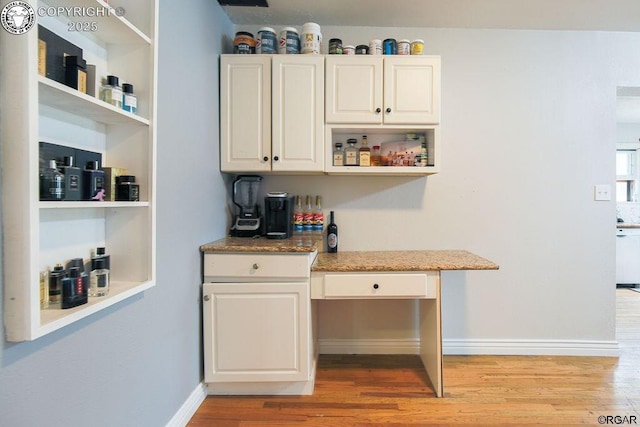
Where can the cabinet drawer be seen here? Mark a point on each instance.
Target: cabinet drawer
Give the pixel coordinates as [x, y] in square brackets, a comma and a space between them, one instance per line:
[257, 266]
[379, 285]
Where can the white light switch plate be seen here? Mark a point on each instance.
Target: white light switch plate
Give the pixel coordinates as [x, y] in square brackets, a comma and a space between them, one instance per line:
[602, 192]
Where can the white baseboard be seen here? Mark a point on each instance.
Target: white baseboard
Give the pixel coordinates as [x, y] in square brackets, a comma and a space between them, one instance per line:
[532, 347]
[189, 407]
[475, 347]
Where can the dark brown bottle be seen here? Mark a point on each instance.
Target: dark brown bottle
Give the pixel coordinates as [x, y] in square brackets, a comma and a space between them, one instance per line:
[332, 235]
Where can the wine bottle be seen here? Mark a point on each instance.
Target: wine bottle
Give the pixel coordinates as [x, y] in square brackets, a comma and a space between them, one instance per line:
[332, 235]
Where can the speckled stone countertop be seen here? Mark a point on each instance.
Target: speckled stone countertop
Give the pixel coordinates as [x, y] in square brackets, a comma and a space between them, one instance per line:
[262, 244]
[627, 225]
[401, 261]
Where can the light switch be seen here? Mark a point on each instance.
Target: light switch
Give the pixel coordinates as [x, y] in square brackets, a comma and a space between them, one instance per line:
[602, 192]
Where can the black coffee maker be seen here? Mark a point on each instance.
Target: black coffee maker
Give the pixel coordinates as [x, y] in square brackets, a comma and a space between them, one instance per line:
[278, 215]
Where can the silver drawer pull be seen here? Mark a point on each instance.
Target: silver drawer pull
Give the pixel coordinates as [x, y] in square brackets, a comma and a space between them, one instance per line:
[375, 286]
[256, 266]
[206, 298]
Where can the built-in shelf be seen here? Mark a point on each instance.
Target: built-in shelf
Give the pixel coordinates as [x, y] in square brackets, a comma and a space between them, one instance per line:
[95, 204]
[56, 95]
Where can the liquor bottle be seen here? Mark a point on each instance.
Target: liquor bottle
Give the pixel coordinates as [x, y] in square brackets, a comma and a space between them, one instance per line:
[364, 154]
[318, 217]
[424, 155]
[376, 157]
[332, 235]
[351, 153]
[298, 216]
[52, 183]
[338, 155]
[307, 221]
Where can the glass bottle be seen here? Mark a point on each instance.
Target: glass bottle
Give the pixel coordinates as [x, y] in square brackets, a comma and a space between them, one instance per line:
[52, 183]
[364, 153]
[332, 235]
[129, 100]
[318, 217]
[298, 216]
[44, 289]
[55, 285]
[338, 155]
[424, 155]
[111, 93]
[376, 157]
[99, 283]
[351, 153]
[307, 221]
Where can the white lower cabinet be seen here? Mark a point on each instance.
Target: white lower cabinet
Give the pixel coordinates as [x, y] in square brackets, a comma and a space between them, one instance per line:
[257, 328]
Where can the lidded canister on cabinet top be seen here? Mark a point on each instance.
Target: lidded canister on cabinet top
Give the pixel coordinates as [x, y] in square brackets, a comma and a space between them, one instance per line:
[267, 41]
[349, 50]
[362, 49]
[375, 47]
[335, 47]
[389, 47]
[404, 47]
[417, 46]
[244, 43]
[311, 38]
[289, 41]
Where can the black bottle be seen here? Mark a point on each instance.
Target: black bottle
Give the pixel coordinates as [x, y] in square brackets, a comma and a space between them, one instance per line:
[332, 235]
[75, 288]
[93, 182]
[73, 180]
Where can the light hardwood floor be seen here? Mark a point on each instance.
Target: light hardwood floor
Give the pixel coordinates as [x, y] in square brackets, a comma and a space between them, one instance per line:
[479, 390]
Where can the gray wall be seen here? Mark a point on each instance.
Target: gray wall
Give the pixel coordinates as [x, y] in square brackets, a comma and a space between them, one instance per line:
[137, 362]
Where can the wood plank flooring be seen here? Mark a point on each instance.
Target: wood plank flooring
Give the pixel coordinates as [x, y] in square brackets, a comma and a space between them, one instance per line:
[369, 390]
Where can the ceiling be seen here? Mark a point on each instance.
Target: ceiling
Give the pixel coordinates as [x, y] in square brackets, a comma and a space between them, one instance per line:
[581, 15]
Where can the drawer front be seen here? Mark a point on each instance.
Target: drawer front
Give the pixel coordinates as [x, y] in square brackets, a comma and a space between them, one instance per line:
[379, 285]
[259, 266]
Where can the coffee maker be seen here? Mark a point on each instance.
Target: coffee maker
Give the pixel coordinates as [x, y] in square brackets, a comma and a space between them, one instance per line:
[278, 208]
[248, 221]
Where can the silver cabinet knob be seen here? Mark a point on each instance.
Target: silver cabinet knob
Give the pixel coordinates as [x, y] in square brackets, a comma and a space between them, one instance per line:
[256, 266]
[206, 297]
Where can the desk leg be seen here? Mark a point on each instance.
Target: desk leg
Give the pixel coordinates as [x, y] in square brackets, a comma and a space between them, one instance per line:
[431, 340]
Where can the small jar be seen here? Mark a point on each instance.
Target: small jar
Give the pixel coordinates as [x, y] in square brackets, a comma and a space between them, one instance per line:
[126, 189]
[362, 49]
[349, 50]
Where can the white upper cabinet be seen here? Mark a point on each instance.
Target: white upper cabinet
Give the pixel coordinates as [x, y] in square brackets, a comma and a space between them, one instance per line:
[383, 89]
[272, 113]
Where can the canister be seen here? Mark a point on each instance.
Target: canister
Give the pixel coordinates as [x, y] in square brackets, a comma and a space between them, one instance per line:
[244, 43]
[362, 49]
[126, 189]
[349, 50]
[335, 47]
[375, 47]
[311, 38]
[404, 47]
[267, 41]
[389, 47]
[417, 46]
[289, 41]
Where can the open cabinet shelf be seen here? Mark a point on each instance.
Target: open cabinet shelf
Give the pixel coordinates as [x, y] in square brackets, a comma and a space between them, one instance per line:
[40, 234]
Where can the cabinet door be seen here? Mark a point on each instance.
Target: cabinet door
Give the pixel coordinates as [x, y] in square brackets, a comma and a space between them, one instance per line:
[245, 113]
[412, 90]
[354, 89]
[256, 332]
[297, 113]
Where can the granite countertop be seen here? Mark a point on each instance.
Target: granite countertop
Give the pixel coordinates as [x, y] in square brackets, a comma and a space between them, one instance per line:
[401, 261]
[262, 244]
[627, 225]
